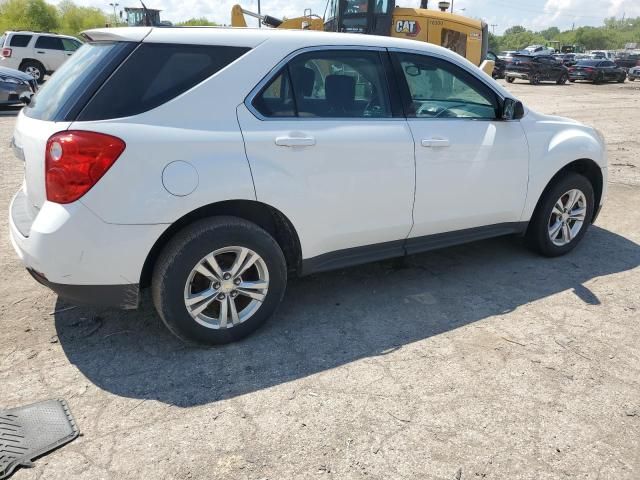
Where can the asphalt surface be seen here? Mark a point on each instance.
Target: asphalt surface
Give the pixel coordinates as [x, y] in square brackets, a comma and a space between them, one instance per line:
[479, 361]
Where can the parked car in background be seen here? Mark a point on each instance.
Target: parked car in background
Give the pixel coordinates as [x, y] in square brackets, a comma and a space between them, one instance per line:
[499, 65]
[535, 69]
[597, 71]
[14, 83]
[36, 53]
[628, 60]
[602, 55]
[178, 158]
[634, 73]
[539, 50]
[566, 59]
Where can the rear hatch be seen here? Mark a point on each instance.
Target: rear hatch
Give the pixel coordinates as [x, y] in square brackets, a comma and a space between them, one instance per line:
[57, 104]
[519, 64]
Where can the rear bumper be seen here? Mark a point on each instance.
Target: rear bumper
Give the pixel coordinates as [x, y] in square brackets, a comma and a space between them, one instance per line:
[118, 296]
[83, 259]
[520, 75]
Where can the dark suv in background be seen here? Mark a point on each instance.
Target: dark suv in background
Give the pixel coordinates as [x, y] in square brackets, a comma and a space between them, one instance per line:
[536, 69]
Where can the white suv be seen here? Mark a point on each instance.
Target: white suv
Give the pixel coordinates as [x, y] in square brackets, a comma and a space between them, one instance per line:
[35, 53]
[210, 163]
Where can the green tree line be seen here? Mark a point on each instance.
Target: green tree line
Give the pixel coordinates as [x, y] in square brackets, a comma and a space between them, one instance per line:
[38, 15]
[614, 34]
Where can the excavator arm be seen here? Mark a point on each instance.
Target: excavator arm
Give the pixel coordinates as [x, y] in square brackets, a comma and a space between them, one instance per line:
[306, 22]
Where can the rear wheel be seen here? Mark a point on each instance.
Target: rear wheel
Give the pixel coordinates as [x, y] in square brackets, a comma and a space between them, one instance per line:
[622, 79]
[218, 280]
[562, 216]
[510, 79]
[35, 69]
[563, 79]
[599, 79]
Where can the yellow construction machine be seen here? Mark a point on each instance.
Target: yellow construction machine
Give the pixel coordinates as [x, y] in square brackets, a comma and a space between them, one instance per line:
[465, 36]
[306, 22]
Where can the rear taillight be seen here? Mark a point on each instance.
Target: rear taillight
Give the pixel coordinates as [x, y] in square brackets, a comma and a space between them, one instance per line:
[76, 160]
[6, 52]
[590, 70]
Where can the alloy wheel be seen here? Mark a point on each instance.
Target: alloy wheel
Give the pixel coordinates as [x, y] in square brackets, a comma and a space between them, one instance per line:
[226, 287]
[33, 71]
[567, 217]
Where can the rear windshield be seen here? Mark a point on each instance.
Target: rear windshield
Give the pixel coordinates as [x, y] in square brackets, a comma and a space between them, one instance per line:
[154, 74]
[58, 98]
[589, 63]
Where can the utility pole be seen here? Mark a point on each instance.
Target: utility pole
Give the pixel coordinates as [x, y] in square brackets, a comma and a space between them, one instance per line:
[493, 28]
[115, 16]
[451, 6]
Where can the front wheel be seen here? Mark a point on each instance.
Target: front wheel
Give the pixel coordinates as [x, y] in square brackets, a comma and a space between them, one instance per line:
[622, 79]
[563, 79]
[218, 280]
[510, 79]
[562, 216]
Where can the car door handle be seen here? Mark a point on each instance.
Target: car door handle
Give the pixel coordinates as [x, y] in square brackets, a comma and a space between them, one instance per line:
[295, 141]
[435, 143]
[40, 51]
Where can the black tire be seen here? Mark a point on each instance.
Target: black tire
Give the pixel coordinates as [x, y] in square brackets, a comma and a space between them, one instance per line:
[599, 79]
[37, 66]
[572, 80]
[563, 79]
[537, 236]
[632, 79]
[622, 79]
[510, 79]
[186, 250]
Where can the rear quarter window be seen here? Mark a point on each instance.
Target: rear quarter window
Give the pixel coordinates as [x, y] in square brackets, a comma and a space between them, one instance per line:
[154, 74]
[20, 40]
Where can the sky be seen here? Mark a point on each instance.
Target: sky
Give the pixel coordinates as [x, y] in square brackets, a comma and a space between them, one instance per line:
[533, 14]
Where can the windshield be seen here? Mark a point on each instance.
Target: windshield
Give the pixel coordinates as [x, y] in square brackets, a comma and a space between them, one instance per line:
[73, 80]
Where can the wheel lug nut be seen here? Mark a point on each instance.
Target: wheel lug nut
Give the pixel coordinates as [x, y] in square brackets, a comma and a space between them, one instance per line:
[237, 281]
[226, 276]
[216, 285]
[234, 294]
[222, 296]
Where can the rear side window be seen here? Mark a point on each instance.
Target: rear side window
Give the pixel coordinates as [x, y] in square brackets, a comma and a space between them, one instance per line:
[154, 74]
[19, 40]
[328, 84]
[49, 43]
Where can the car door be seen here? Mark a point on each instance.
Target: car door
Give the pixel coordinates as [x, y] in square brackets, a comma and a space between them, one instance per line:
[471, 167]
[329, 147]
[50, 52]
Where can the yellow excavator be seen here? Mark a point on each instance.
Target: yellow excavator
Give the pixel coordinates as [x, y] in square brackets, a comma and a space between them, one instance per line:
[307, 22]
[465, 36]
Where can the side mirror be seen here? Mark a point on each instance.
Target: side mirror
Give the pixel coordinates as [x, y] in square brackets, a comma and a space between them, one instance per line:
[512, 109]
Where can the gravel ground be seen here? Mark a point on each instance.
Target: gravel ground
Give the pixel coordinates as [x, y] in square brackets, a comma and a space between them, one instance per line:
[481, 361]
